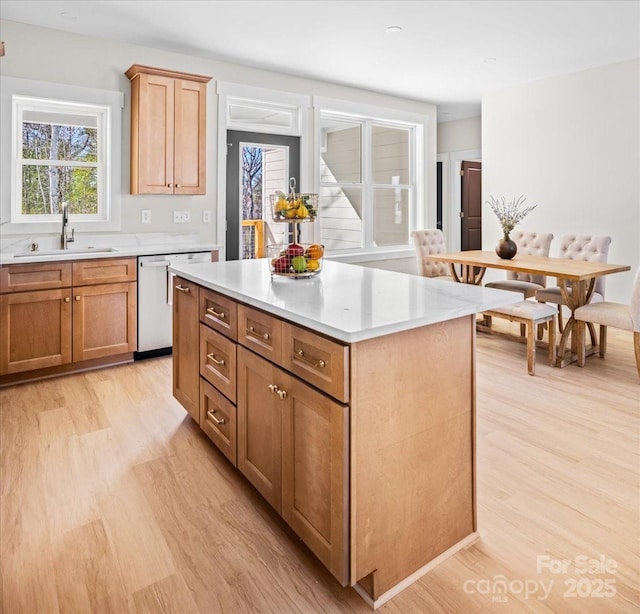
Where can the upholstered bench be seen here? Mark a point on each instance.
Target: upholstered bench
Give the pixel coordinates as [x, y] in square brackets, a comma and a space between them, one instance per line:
[531, 314]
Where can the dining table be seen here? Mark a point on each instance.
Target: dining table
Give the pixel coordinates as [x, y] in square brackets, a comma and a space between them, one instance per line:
[576, 280]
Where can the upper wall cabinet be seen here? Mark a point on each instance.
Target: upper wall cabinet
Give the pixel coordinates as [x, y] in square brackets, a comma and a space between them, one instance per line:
[168, 131]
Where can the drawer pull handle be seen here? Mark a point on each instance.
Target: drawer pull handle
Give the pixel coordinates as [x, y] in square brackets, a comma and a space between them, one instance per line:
[182, 288]
[314, 363]
[211, 414]
[212, 358]
[282, 394]
[220, 315]
[253, 333]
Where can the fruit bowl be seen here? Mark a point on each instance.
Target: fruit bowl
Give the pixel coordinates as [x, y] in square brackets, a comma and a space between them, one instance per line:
[296, 259]
[294, 207]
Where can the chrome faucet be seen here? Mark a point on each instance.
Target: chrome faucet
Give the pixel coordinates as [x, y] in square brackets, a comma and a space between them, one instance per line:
[64, 237]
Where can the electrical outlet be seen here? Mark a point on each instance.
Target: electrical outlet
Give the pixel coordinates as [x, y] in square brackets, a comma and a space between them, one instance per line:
[181, 217]
[145, 216]
[206, 216]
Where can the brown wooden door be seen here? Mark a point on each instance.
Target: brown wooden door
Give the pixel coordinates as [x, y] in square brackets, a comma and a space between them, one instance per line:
[186, 332]
[104, 320]
[471, 207]
[315, 472]
[35, 330]
[260, 425]
[189, 141]
[153, 136]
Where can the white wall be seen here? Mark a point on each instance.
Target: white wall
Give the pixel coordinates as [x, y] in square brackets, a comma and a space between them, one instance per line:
[52, 55]
[460, 135]
[571, 145]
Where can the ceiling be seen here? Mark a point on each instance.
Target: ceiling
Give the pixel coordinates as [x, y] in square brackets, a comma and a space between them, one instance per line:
[448, 52]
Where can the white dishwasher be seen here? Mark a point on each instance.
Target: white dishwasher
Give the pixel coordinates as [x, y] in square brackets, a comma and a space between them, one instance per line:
[155, 286]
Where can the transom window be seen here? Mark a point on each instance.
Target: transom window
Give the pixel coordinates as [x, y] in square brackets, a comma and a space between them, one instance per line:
[367, 182]
[61, 155]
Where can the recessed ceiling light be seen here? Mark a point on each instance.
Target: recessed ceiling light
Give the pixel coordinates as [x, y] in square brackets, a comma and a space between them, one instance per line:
[393, 29]
[489, 60]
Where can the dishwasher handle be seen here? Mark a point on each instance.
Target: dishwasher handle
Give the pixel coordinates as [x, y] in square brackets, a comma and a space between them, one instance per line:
[155, 263]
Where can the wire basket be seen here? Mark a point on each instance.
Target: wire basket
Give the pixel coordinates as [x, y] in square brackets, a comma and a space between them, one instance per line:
[295, 259]
[301, 207]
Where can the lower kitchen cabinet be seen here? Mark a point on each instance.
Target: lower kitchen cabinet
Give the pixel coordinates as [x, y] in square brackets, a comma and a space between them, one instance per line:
[260, 425]
[293, 447]
[94, 317]
[186, 328]
[35, 330]
[104, 320]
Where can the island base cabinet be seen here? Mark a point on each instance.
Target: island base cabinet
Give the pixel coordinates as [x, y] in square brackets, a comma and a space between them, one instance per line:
[35, 330]
[293, 447]
[315, 474]
[218, 420]
[260, 425]
[186, 341]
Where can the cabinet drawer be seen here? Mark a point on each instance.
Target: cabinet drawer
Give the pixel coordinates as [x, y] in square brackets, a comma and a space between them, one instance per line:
[218, 361]
[260, 332]
[104, 271]
[219, 312]
[218, 420]
[37, 276]
[317, 360]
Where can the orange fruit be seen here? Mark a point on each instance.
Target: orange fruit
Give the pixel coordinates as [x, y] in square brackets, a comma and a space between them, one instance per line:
[315, 251]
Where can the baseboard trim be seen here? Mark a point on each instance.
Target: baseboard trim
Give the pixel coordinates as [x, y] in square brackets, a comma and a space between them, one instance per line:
[416, 575]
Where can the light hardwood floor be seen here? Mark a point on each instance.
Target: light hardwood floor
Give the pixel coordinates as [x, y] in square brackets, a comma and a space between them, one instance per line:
[113, 500]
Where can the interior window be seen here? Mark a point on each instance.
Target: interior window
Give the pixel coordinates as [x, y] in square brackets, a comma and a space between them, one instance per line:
[367, 182]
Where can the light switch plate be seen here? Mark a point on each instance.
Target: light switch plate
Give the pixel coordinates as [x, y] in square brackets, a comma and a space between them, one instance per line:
[145, 216]
[181, 217]
[206, 216]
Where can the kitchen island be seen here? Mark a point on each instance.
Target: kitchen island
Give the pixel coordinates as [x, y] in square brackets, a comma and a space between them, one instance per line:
[347, 399]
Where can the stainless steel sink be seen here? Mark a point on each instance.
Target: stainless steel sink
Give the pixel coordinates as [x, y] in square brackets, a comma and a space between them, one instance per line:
[62, 252]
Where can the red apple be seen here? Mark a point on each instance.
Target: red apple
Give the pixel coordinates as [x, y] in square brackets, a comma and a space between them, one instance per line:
[294, 249]
[282, 264]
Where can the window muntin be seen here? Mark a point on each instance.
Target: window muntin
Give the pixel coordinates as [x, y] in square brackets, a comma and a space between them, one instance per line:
[61, 155]
[367, 182]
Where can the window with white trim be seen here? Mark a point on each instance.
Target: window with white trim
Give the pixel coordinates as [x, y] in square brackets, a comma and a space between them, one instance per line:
[367, 182]
[59, 143]
[60, 156]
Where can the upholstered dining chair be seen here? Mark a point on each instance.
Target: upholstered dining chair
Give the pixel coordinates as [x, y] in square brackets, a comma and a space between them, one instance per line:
[578, 247]
[618, 315]
[430, 241]
[531, 244]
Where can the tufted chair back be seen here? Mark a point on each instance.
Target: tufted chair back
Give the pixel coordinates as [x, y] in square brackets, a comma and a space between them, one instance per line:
[588, 248]
[531, 244]
[430, 241]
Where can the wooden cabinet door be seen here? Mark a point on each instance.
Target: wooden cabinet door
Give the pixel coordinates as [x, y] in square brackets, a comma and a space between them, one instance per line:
[189, 156]
[186, 345]
[259, 425]
[35, 330]
[315, 473]
[152, 135]
[104, 320]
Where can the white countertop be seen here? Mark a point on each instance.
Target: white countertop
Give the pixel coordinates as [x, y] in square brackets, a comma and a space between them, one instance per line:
[346, 301]
[108, 247]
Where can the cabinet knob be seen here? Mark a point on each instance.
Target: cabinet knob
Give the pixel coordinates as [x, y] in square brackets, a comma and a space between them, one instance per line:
[77, 298]
[177, 185]
[273, 388]
[67, 299]
[170, 185]
[282, 394]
